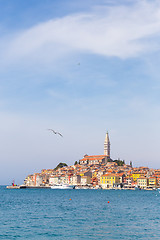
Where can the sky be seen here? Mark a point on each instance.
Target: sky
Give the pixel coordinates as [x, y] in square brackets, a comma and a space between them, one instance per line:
[82, 68]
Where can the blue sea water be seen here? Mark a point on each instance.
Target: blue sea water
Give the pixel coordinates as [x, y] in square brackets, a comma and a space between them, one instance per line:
[50, 214]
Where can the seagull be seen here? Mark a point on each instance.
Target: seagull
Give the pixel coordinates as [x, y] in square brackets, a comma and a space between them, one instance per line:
[55, 132]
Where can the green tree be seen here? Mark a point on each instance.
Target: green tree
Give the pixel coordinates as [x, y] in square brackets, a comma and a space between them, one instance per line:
[60, 165]
[119, 162]
[109, 160]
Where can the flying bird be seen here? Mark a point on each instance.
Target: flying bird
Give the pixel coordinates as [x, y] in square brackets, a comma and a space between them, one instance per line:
[55, 132]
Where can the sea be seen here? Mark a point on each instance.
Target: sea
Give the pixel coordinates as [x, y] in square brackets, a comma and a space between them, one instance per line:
[79, 214]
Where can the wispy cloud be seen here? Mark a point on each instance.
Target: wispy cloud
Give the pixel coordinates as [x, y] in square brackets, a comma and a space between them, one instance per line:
[120, 31]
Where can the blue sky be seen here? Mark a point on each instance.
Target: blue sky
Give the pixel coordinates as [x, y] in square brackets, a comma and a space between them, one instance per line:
[81, 68]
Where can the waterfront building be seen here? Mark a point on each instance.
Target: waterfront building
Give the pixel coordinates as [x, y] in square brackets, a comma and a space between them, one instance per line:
[153, 182]
[33, 180]
[128, 183]
[62, 178]
[85, 180]
[100, 172]
[108, 180]
[38, 180]
[157, 175]
[121, 177]
[68, 177]
[53, 180]
[142, 182]
[30, 180]
[94, 181]
[75, 180]
[57, 179]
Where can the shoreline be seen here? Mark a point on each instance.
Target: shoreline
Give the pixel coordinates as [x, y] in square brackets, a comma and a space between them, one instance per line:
[78, 188]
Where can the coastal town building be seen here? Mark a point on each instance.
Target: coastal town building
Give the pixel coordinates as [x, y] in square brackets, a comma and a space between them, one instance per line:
[137, 175]
[75, 180]
[152, 182]
[39, 180]
[107, 146]
[142, 182]
[85, 180]
[128, 183]
[108, 180]
[95, 159]
[97, 171]
[53, 180]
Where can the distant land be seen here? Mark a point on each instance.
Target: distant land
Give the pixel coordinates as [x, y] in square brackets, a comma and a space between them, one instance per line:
[97, 171]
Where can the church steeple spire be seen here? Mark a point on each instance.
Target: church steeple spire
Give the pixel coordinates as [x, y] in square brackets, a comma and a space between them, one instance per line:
[107, 145]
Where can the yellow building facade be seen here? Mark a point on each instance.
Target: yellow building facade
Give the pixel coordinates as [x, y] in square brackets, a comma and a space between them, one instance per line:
[135, 176]
[107, 180]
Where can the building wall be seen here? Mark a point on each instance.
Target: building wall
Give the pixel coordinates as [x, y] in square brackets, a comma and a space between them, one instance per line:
[152, 182]
[53, 180]
[85, 180]
[107, 181]
[136, 176]
[39, 181]
[142, 183]
[75, 180]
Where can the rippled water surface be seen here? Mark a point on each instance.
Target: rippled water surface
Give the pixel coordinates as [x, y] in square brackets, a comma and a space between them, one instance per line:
[50, 214]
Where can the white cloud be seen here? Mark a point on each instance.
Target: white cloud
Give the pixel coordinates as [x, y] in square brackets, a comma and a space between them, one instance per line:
[120, 31]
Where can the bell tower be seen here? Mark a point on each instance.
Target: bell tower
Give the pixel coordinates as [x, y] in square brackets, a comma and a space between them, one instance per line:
[107, 146]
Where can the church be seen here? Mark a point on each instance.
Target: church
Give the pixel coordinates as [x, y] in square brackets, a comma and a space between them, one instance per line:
[98, 159]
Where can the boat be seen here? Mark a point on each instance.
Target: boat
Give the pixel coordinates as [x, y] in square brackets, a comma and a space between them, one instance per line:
[62, 186]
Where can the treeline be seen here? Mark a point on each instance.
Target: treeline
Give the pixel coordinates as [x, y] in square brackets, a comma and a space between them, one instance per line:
[119, 162]
[60, 165]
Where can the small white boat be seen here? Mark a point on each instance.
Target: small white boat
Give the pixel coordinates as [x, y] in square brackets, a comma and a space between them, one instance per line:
[62, 186]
